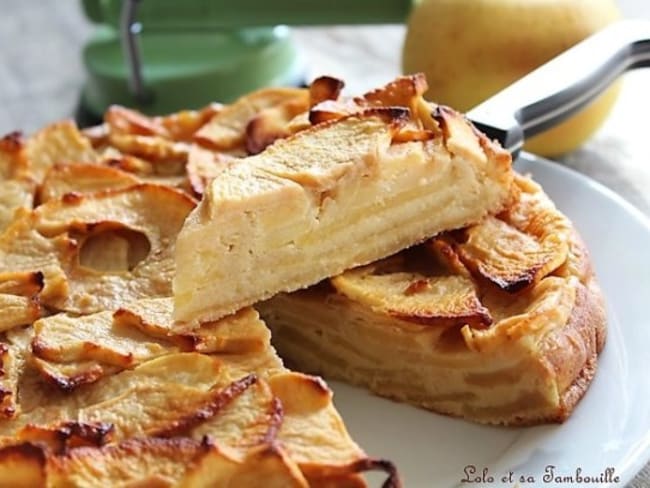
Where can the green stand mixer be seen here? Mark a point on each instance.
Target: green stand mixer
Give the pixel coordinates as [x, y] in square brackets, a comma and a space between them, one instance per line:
[161, 56]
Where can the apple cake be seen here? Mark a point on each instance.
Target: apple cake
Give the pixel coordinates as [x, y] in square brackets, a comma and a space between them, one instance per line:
[357, 180]
[98, 385]
[500, 322]
[130, 254]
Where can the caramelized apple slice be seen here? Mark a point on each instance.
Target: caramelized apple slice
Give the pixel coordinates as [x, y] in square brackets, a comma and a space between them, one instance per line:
[328, 110]
[404, 91]
[239, 333]
[23, 465]
[509, 258]
[19, 301]
[13, 160]
[214, 416]
[148, 409]
[113, 158]
[16, 186]
[204, 165]
[11, 365]
[71, 351]
[25, 283]
[8, 382]
[414, 297]
[97, 135]
[272, 123]
[135, 462]
[144, 402]
[534, 213]
[67, 377]
[14, 351]
[324, 88]
[251, 418]
[314, 436]
[267, 464]
[116, 246]
[227, 129]
[167, 156]
[62, 338]
[179, 126]
[442, 249]
[24, 250]
[306, 400]
[122, 120]
[132, 399]
[14, 195]
[67, 435]
[182, 125]
[17, 310]
[168, 462]
[83, 178]
[60, 142]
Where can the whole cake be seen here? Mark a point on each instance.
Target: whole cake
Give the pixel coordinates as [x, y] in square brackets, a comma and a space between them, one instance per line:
[385, 241]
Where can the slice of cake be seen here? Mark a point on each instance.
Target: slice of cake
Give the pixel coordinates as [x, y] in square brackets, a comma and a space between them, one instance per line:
[500, 322]
[368, 178]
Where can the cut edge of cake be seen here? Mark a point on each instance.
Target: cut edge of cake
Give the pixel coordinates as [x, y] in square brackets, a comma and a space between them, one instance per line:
[361, 185]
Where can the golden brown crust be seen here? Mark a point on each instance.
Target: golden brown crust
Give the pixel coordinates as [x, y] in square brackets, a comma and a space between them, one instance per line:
[572, 352]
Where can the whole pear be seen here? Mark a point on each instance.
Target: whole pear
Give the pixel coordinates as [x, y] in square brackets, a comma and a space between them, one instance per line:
[471, 49]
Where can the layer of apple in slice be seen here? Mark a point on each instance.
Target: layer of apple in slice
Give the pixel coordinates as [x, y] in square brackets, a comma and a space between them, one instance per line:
[370, 180]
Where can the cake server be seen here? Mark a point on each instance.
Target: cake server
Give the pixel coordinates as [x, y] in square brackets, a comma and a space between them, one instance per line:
[564, 85]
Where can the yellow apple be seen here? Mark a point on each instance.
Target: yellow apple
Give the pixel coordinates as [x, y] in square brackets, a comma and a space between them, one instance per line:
[471, 49]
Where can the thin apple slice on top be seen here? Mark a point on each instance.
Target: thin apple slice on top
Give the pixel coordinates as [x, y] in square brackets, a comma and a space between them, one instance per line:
[62, 179]
[509, 258]
[61, 142]
[521, 246]
[294, 207]
[227, 130]
[114, 246]
[72, 351]
[442, 300]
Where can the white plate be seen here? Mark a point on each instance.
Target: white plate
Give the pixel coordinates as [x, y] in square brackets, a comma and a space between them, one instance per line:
[610, 428]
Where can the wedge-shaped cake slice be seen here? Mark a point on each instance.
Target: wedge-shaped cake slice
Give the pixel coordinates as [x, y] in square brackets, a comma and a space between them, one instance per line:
[498, 323]
[381, 173]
